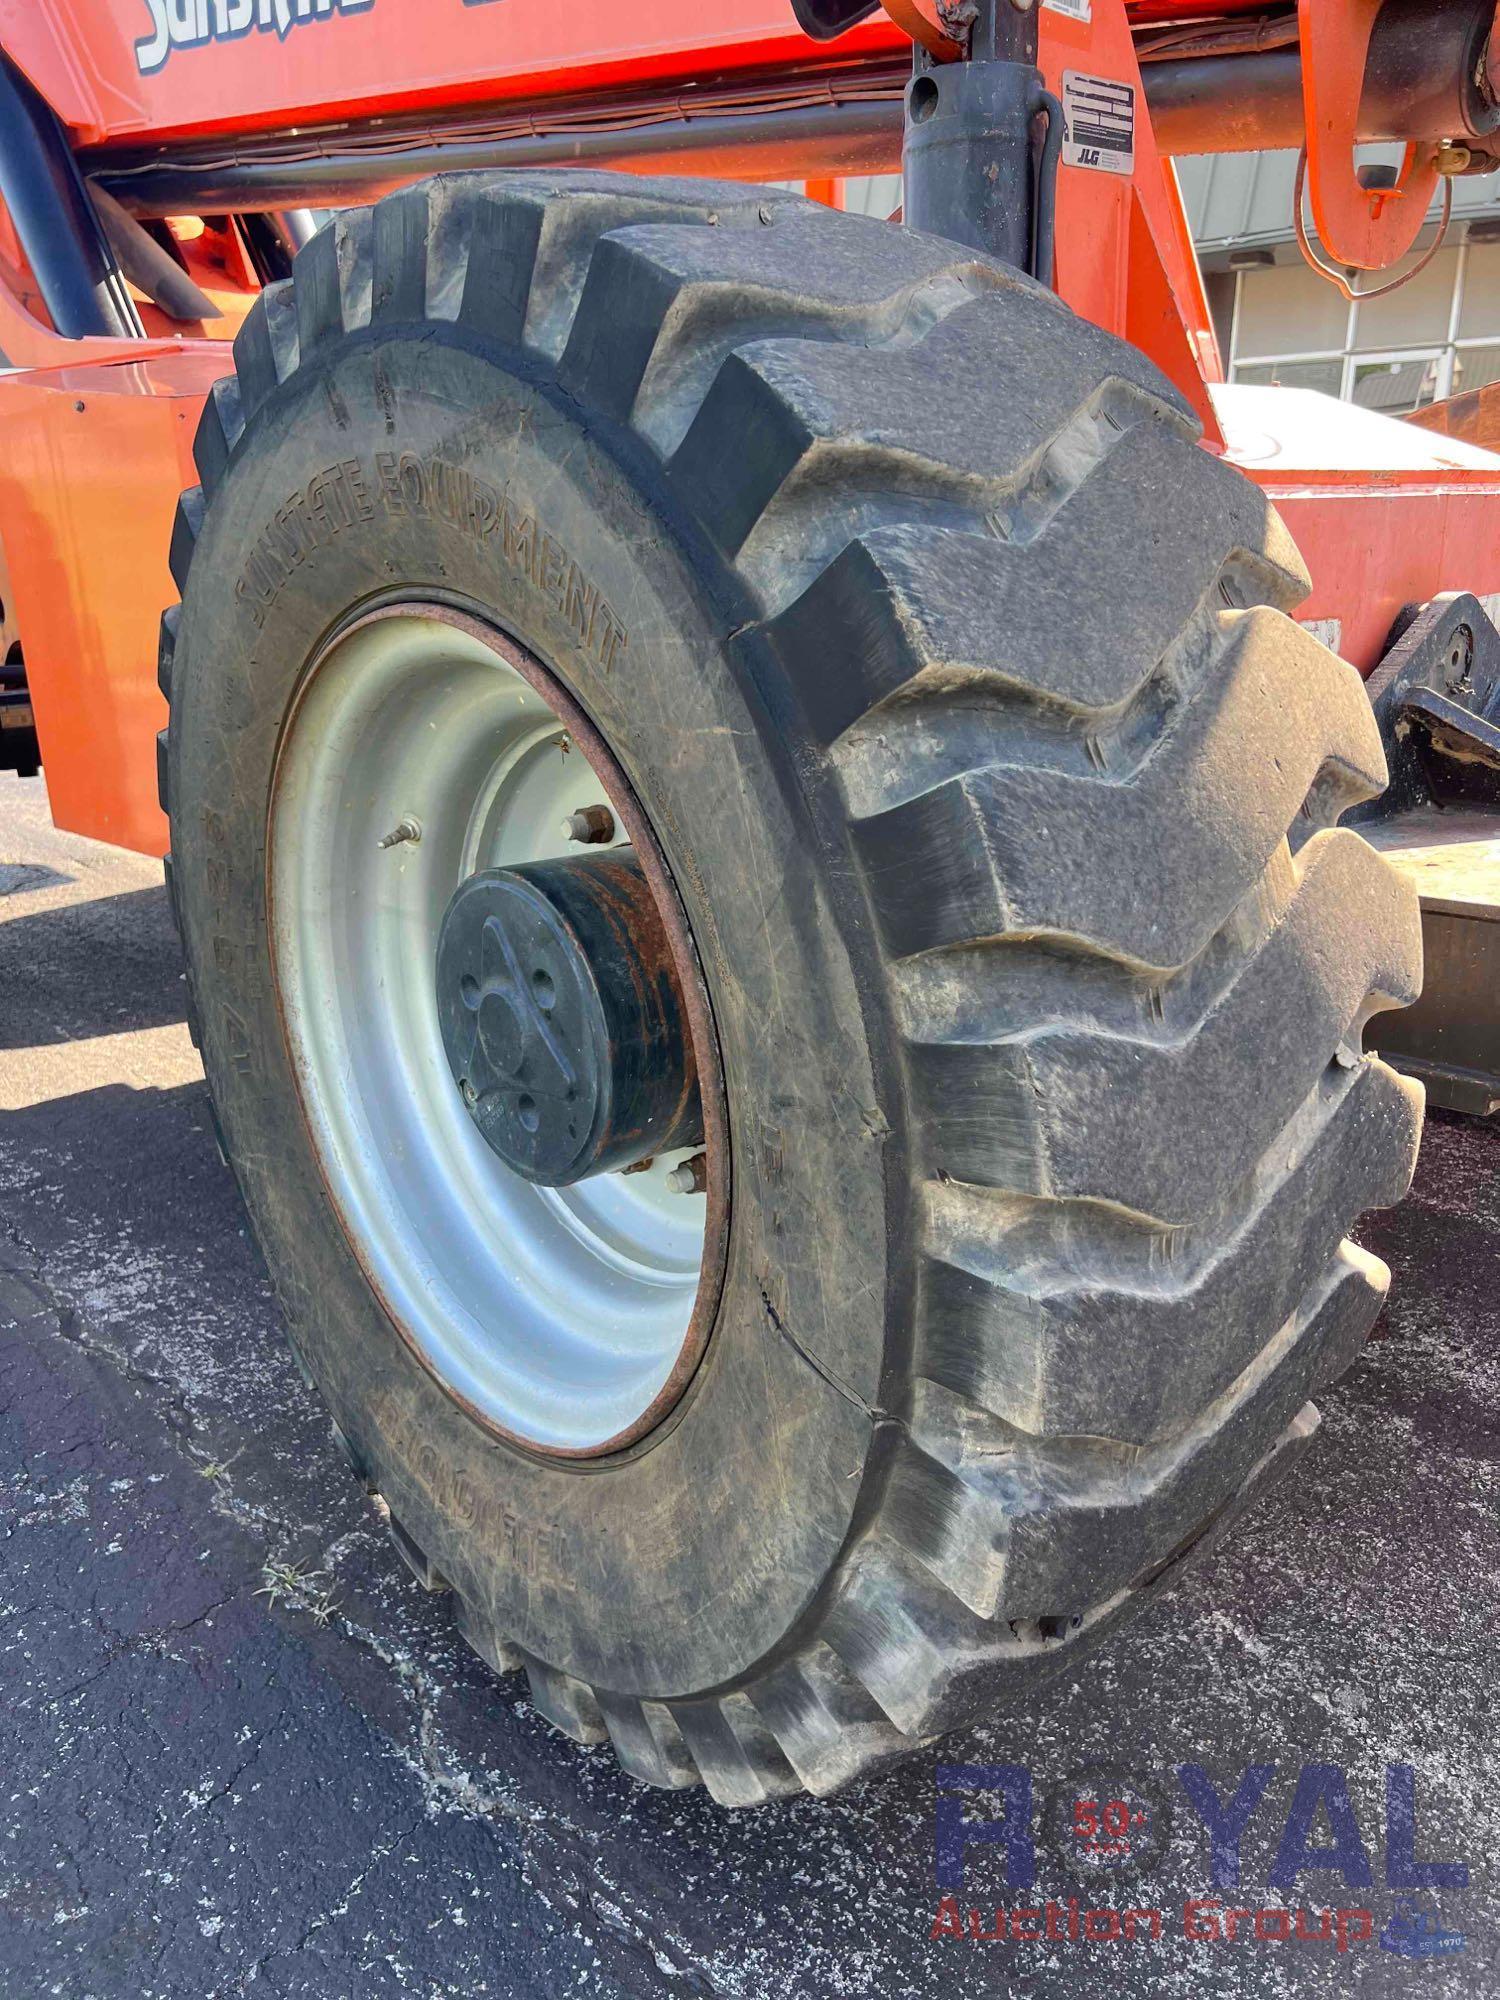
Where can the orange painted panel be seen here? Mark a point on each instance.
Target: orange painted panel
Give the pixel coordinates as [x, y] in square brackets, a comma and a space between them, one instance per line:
[1125, 259]
[94, 459]
[138, 69]
[118, 69]
[1370, 228]
[1385, 514]
[1375, 546]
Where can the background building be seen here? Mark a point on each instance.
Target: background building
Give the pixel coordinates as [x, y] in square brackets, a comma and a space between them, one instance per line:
[1280, 322]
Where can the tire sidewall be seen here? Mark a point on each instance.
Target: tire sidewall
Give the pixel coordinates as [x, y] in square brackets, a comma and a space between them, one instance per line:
[684, 1563]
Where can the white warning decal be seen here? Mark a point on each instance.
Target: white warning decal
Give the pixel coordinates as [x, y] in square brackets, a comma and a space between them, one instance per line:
[1328, 632]
[1076, 10]
[1100, 118]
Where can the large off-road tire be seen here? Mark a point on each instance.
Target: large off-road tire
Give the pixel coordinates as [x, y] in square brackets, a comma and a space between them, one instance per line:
[958, 687]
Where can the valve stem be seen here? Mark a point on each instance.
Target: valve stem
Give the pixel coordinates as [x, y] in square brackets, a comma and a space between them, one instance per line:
[404, 829]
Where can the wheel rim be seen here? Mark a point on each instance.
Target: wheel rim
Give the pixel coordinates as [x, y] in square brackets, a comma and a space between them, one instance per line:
[567, 1319]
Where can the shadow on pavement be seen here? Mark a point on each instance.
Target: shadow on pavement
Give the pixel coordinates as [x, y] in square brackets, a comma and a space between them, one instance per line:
[77, 970]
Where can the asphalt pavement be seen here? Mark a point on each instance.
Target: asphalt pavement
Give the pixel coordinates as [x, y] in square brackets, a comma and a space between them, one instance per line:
[244, 1754]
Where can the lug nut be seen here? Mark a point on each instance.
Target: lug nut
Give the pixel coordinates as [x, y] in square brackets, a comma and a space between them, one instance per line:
[404, 829]
[691, 1177]
[593, 825]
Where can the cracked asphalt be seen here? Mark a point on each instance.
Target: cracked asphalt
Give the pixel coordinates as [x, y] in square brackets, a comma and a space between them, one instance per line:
[243, 1754]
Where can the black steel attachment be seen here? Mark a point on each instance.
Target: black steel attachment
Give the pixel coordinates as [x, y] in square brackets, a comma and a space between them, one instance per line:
[19, 750]
[1437, 697]
[148, 264]
[1428, 75]
[983, 137]
[563, 1020]
[824, 20]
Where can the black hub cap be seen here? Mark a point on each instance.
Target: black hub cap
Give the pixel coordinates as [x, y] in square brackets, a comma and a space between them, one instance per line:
[563, 1020]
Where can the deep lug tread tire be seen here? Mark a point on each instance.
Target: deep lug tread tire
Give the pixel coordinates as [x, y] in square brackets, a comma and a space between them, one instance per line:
[1031, 649]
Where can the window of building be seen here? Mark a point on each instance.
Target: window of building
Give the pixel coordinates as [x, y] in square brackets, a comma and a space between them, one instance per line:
[1432, 338]
[1415, 314]
[1325, 375]
[1474, 366]
[1285, 309]
[1395, 383]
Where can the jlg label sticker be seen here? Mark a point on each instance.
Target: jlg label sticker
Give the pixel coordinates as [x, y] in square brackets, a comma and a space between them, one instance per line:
[1076, 10]
[1099, 114]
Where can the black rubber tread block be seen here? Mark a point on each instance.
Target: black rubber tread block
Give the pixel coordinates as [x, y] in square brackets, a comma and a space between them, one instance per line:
[829, 1727]
[738, 1758]
[220, 429]
[993, 989]
[1022, 849]
[927, 612]
[932, 1664]
[1021, 1530]
[266, 348]
[647, 1741]
[402, 226]
[497, 1652]
[304, 1372]
[332, 279]
[567, 1703]
[166, 646]
[910, 1642]
[816, 421]
[533, 236]
[1062, 1323]
[187, 525]
[216, 1127]
[1056, 1111]
[416, 1558]
[664, 307]
[350, 1453]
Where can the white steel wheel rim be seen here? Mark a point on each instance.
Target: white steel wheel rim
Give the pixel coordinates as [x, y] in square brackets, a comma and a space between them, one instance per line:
[560, 1316]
